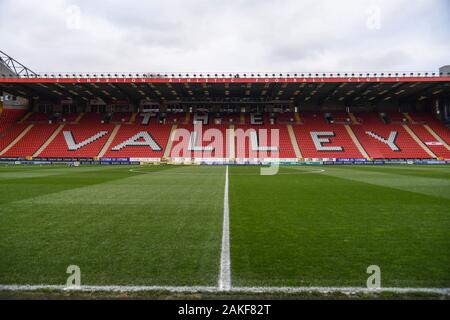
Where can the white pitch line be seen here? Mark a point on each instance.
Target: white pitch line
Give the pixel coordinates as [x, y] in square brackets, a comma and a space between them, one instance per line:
[225, 264]
[225, 276]
[162, 173]
[87, 288]
[204, 289]
[345, 290]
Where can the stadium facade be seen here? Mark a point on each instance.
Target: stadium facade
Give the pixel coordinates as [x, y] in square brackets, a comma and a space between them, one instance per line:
[224, 117]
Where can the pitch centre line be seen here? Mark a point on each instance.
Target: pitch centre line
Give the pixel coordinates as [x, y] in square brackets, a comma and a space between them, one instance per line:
[225, 264]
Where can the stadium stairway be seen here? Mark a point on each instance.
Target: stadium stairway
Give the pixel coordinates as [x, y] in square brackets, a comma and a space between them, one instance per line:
[12, 137]
[78, 119]
[340, 138]
[25, 118]
[158, 132]
[243, 149]
[180, 146]
[353, 119]
[441, 133]
[9, 129]
[419, 142]
[356, 141]
[432, 132]
[437, 137]
[242, 118]
[287, 145]
[294, 143]
[30, 140]
[9, 133]
[424, 137]
[58, 148]
[170, 142]
[405, 146]
[231, 144]
[408, 118]
[431, 140]
[109, 141]
[133, 118]
[297, 117]
[49, 140]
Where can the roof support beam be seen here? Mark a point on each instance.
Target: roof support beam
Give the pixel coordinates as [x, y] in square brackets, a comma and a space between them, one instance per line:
[15, 66]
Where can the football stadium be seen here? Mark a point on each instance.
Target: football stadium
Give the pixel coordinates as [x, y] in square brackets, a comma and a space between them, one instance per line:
[325, 177]
[225, 184]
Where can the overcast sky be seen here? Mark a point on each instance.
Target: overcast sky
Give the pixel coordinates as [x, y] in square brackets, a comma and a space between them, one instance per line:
[227, 35]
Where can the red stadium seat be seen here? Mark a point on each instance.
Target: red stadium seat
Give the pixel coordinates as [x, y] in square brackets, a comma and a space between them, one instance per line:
[160, 133]
[10, 134]
[219, 148]
[59, 148]
[266, 138]
[427, 138]
[315, 137]
[407, 148]
[340, 139]
[32, 141]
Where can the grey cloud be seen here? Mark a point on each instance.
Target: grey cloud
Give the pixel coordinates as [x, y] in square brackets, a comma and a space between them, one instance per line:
[235, 35]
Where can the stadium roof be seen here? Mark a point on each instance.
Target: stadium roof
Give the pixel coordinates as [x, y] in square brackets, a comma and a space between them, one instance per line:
[263, 87]
[12, 67]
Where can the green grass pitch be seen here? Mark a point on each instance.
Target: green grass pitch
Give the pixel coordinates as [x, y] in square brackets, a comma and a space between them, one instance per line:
[162, 225]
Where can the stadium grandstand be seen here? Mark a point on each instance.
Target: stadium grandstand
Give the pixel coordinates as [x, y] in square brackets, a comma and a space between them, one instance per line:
[223, 117]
